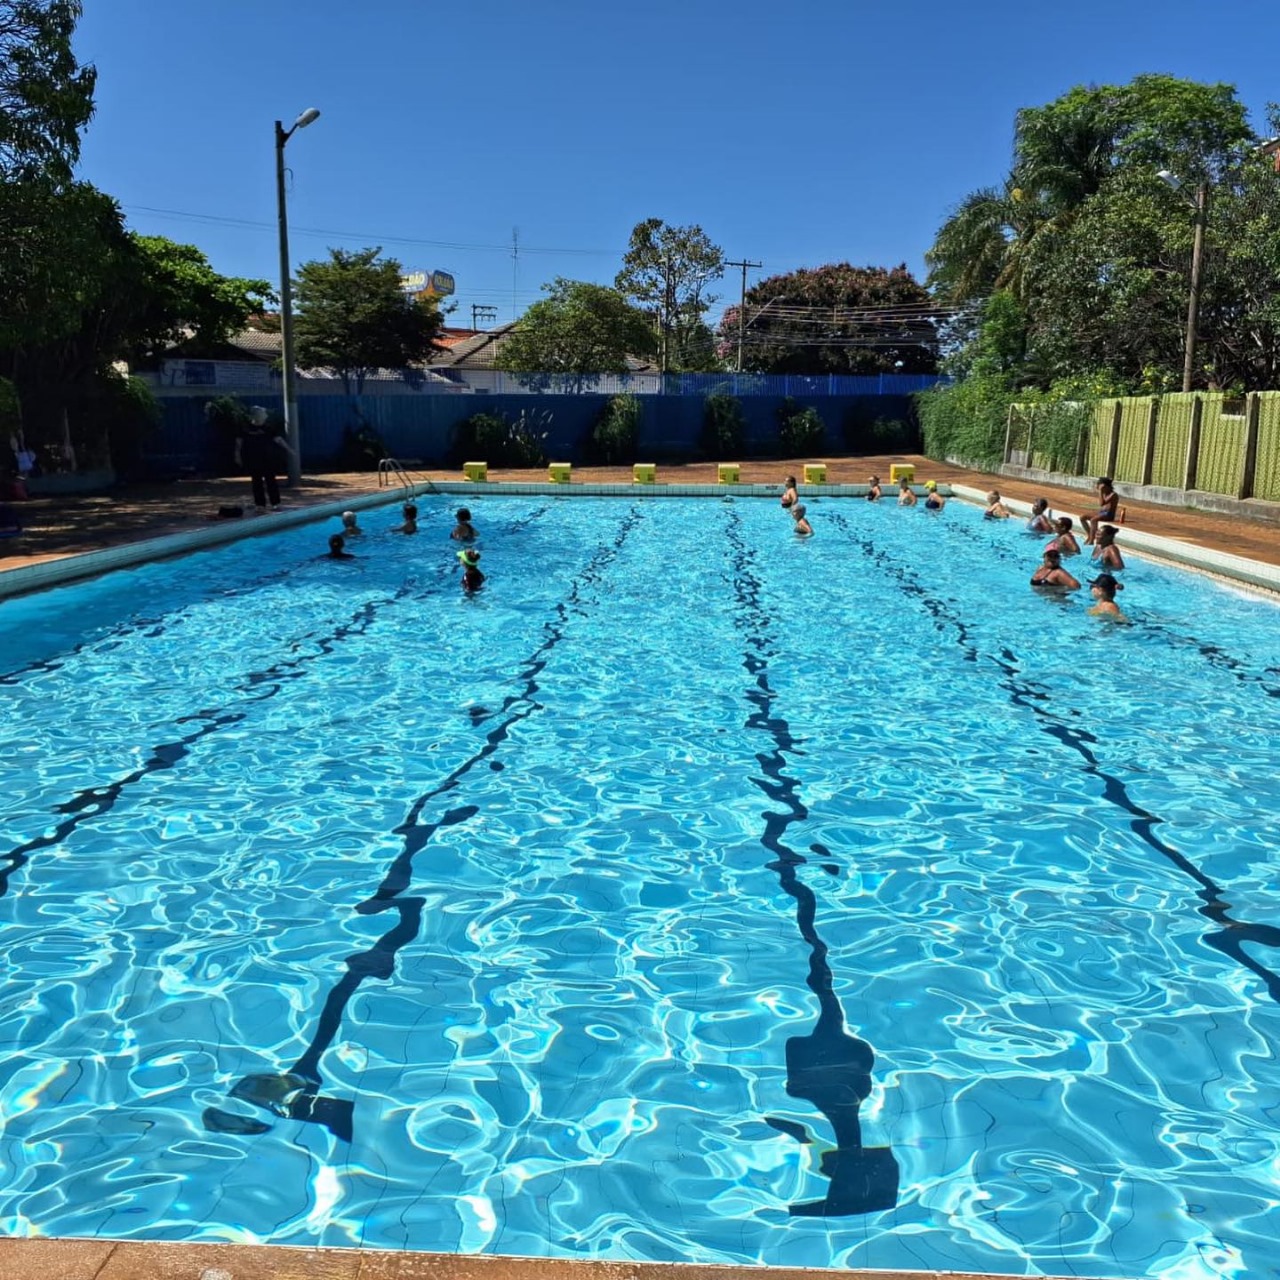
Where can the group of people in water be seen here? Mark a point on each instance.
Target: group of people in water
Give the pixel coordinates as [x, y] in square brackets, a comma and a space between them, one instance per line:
[1100, 534]
[463, 531]
[1098, 525]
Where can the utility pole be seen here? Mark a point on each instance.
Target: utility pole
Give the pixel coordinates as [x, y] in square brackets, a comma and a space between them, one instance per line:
[1193, 304]
[479, 311]
[742, 305]
[515, 268]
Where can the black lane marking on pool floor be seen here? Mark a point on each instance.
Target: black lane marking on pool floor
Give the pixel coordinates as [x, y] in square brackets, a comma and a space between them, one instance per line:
[830, 1067]
[1214, 654]
[295, 1094]
[1230, 937]
[93, 802]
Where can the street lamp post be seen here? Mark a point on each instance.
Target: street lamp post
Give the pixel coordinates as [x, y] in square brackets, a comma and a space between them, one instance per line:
[1201, 204]
[286, 301]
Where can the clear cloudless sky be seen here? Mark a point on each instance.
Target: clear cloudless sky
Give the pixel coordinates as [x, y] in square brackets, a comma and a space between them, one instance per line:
[795, 133]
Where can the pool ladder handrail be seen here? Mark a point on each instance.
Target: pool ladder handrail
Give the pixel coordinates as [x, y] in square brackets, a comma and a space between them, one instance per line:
[391, 473]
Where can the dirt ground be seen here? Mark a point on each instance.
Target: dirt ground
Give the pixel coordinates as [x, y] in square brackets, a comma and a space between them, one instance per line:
[68, 525]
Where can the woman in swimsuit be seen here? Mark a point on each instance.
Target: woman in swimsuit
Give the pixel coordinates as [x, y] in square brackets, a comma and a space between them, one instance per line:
[906, 494]
[873, 489]
[1052, 574]
[934, 501]
[1065, 540]
[789, 495]
[1041, 517]
[1105, 551]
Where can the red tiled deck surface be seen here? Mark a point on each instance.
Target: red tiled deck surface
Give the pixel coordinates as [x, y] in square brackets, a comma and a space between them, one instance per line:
[131, 1260]
[59, 526]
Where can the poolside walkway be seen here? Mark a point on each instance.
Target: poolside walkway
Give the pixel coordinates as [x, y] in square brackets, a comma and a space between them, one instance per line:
[68, 525]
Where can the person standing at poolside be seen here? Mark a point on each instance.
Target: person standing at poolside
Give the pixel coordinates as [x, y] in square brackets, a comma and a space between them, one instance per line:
[789, 494]
[257, 450]
[906, 494]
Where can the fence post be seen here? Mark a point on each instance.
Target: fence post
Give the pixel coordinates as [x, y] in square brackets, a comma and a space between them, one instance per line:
[1249, 471]
[1113, 444]
[1149, 444]
[1008, 432]
[1082, 444]
[1031, 427]
[1193, 446]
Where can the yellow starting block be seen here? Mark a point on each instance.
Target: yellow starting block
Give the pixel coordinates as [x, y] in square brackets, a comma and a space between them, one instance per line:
[728, 472]
[558, 472]
[902, 471]
[815, 473]
[475, 470]
[644, 472]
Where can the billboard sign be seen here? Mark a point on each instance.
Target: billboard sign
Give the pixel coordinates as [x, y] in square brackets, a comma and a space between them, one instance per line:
[441, 283]
[435, 284]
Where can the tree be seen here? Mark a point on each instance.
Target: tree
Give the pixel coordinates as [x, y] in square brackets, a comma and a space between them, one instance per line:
[836, 319]
[46, 97]
[573, 335]
[354, 317]
[666, 271]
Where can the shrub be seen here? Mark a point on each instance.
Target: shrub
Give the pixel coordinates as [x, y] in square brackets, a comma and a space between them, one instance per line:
[617, 433]
[491, 438]
[125, 410]
[724, 430]
[800, 430]
[966, 421]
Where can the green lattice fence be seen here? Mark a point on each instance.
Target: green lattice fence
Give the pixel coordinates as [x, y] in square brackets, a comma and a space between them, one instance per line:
[1266, 479]
[1221, 445]
[1100, 438]
[1173, 429]
[1133, 439]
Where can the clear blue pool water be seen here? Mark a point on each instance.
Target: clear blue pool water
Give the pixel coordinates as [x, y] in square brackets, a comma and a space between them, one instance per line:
[691, 893]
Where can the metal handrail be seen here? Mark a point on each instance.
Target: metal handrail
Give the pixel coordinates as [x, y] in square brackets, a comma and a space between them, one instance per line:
[389, 468]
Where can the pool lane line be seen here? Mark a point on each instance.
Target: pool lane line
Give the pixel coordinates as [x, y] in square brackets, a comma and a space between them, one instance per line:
[1228, 940]
[830, 1067]
[295, 1094]
[93, 802]
[1216, 656]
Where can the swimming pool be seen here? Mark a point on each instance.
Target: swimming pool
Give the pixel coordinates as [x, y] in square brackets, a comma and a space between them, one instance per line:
[692, 893]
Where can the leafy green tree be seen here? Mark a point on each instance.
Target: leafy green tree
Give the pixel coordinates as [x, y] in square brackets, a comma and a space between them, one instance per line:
[666, 271]
[836, 319]
[46, 96]
[354, 317]
[574, 334]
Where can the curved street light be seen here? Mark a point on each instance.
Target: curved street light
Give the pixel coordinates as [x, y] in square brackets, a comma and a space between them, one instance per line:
[286, 300]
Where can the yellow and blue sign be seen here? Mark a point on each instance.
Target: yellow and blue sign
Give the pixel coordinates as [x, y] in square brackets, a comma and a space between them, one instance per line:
[435, 284]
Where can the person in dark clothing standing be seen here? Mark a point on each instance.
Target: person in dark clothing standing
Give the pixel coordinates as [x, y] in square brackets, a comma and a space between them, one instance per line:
[258, 448]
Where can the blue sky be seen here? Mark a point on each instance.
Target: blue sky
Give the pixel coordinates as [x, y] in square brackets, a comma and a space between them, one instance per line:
[795, 134]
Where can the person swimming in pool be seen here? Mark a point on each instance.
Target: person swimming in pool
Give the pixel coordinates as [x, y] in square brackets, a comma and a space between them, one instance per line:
[874, 492]
[906, 494]
[789, 494]
[464, 530]
[336, 551]
[1105, 551]
[1103, 589]
[933, 501]
[1050, 572]
[472, 578]
[803, 527]
[1063, 539]
[350, 529]
[410, 513]
[996, 510]
[1041, 517]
